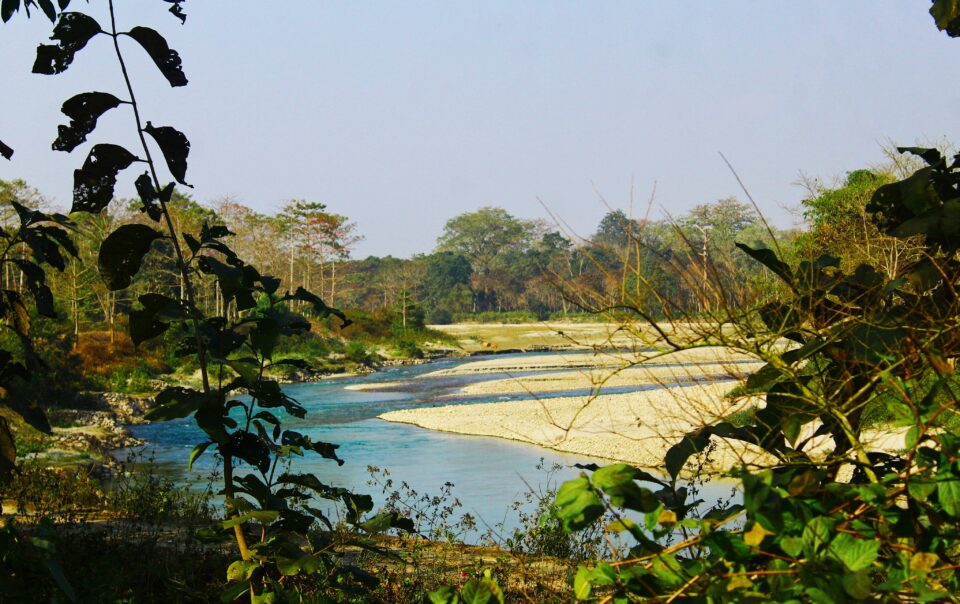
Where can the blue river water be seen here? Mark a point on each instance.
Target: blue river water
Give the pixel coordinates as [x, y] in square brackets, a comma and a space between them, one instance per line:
[488, 474]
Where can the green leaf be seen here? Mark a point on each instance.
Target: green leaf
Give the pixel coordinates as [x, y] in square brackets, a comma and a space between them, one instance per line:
[83, 110]
[946, 14]
[196, 453]
[577, 505]
[233, 592]
[817, 531]
[444, 595]
[792, 546]
[858, 584]
[122, 252]
[166, 59]
[72, 33]
[387, 520]
[94, 182]
[241, 570]
[175, 147]
[476, 592]
[856, 554]
[948, 493]
[261, 516]
[617, 481]
[581, 583]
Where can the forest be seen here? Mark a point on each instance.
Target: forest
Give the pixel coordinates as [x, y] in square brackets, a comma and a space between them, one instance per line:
[200, 313]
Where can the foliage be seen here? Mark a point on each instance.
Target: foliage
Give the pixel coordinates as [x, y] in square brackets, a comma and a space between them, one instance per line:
[832, 519]
[233, 350]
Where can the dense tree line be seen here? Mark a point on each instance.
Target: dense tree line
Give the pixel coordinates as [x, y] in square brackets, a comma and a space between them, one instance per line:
[485, 261]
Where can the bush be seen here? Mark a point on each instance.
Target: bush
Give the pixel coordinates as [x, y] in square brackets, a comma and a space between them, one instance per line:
[439, 316]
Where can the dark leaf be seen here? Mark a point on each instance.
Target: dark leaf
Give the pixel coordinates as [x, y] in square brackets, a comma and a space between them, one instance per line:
[144, 325]
[72, 33]
[176, 402]
[177, 11]
[14, 311]
[175, 147]
[48, 9]
[325, 450]
[167, 59]
[122, 252]
[35, 280]
[264, 337]
[83, 110]
[8, 452]
[230, 278]
[94, 182]
[7, 8]
[770, 260]
[319, 306]
[690, 445]
[250, 449]
[5, 151]
[149, 196]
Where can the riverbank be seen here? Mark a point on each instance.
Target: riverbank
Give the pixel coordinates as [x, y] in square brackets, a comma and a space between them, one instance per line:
[635, 427]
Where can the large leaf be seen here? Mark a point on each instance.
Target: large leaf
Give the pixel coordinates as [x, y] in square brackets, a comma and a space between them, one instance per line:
[319, 306]
[167, 59]
[175, 402]
[855, 553]
[617, 481]
[769, 259]
[946, 13]
[175, 148]
[83, 110]
[5, 151]
[577, 504]
[7, 8]
[93, 183]
[72, 33]
[122, 252]
[35, 279]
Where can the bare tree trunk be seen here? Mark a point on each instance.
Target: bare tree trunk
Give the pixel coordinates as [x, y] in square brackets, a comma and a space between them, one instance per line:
[290, 283]
[333, 282]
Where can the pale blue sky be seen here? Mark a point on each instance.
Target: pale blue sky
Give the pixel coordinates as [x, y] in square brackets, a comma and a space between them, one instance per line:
[404, 114]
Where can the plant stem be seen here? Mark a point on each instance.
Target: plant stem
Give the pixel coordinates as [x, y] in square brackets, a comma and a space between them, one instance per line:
[184, 272]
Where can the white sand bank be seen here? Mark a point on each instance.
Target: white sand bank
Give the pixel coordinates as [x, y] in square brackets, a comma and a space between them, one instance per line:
[594, 379]
[635, 427]
[511, 364]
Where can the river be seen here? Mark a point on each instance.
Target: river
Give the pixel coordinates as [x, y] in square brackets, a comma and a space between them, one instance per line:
[488, 474]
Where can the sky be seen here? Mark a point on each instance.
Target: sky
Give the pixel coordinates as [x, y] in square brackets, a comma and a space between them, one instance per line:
[402, 115]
